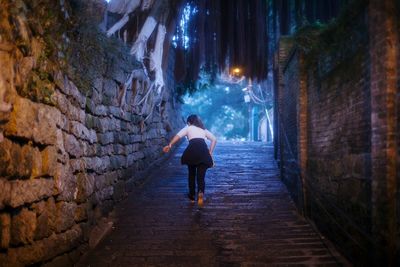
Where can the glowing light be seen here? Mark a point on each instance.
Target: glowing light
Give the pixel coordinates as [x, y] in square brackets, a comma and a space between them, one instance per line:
[236, 71]
[232, 75]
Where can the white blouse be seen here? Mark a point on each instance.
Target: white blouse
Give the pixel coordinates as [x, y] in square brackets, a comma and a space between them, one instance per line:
[192, 131]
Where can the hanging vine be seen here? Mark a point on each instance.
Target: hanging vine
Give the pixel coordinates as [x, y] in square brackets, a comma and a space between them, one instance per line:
[148, 83]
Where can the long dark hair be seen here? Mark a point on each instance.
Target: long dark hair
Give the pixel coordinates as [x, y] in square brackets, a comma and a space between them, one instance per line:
[196, 121]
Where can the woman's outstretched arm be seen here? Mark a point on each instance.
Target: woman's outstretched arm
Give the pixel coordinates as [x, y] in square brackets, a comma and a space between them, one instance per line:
[167, 148]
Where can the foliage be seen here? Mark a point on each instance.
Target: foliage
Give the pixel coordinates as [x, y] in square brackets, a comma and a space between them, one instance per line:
[190, 87]
[334, 37]
[39, 88]
[89, 53]
[306, 37]
[186, 87]
[43, 23]
[222, 110]
[72, 42]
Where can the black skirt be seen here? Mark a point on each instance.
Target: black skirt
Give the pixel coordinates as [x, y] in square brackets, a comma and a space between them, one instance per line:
[197, 153]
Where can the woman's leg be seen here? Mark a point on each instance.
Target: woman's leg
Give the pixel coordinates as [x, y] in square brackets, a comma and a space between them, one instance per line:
[191, 180]
[201, 173]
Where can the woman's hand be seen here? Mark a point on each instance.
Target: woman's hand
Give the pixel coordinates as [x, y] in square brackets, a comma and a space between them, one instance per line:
[166, 149]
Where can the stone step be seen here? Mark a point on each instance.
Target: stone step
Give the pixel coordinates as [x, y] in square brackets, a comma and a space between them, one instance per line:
[248, 219]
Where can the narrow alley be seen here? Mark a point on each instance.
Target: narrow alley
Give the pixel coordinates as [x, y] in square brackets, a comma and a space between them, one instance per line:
[303, 97]
[248, 219]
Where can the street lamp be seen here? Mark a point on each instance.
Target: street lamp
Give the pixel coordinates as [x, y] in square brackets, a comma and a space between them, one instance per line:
[247, 100]
[236, 71]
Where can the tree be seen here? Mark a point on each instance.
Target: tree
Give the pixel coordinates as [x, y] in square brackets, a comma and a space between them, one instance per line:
[222, 110]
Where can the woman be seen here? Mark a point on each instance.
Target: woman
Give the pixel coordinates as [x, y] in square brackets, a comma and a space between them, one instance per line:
[197, 155]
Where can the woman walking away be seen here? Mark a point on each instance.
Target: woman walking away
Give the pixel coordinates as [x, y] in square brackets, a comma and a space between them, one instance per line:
[196, 155]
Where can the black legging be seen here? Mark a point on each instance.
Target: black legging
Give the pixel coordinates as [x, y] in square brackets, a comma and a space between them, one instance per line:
[201, 173]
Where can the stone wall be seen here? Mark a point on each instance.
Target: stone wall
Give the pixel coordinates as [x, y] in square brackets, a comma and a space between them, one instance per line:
[68, 151]
[339, 104]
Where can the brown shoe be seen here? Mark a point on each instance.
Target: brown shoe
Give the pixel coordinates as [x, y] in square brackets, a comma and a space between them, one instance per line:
[200, 199]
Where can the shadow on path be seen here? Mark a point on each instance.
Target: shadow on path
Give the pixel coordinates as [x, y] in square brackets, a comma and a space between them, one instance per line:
[248, 218]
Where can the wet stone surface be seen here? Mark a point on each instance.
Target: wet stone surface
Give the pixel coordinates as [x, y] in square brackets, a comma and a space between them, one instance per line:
[248, 219]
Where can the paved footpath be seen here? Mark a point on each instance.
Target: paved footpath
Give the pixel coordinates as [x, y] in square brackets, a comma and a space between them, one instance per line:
[248, 219]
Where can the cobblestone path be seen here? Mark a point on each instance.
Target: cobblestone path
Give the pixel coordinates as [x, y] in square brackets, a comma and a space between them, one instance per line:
[248, 219]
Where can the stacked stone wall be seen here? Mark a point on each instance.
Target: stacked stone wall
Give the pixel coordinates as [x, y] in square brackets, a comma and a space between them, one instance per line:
[68, 151]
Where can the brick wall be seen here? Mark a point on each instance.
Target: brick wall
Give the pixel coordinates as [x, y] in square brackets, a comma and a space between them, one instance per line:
[338, 159]
[289, 126]
[289, 101]
[68, 152]
[346, 94]
[384, 43]
[284, 47]
[398, 139]
[326, 111]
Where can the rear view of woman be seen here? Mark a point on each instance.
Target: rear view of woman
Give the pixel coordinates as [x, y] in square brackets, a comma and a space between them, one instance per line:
[197, 155]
